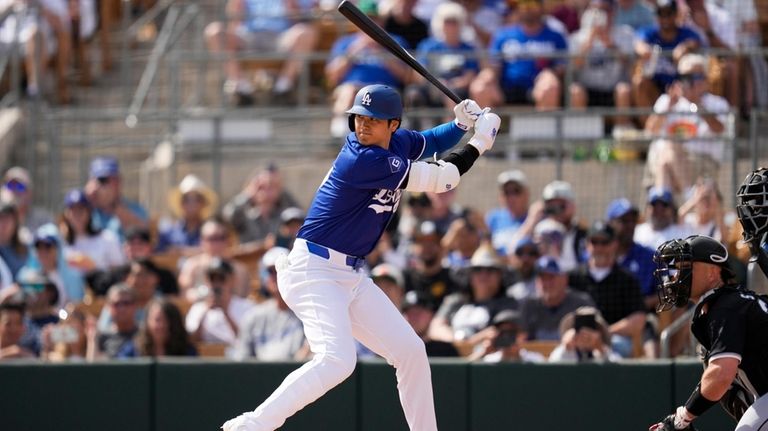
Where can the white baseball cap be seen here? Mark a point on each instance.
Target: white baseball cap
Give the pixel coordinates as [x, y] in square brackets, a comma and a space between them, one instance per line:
[513, 175]
[389, 271]
[558, 190]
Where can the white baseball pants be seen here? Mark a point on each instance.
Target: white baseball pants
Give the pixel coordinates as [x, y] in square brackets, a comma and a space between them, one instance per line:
[336, 304]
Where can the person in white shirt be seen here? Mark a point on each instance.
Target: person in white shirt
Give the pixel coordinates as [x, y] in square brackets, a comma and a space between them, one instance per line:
[661, 220]
[218, 317]
[703, 212]
[585, 338]
[689, 121]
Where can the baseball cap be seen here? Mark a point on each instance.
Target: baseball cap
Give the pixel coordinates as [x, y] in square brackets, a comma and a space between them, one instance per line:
[219, 266]
[602, 229]
[709, 250]
[386, 270]
[558, 190]
[417, 298]
[512, 176]
[104, 167]
[507, 316]
[485, 257]
[292, 214]
[660, 194]
[618, 208]
[19, 174]
[47, 234]
[549, 228]
[75, 197]
[426, 229]
[549, 265]
[665, 4]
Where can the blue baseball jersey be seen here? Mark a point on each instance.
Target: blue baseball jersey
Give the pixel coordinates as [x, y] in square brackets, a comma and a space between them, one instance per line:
[369, 67]
[518, 52]
[666, 71]
[362, 191]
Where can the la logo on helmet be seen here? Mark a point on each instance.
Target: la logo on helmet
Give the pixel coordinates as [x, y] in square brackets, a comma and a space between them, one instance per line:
[366, 99]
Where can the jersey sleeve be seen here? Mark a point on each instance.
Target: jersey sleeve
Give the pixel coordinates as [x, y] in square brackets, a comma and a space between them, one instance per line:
[727, 330]
[377, 169]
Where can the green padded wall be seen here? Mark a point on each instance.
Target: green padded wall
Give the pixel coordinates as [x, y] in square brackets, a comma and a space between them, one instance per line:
[586, 397]
[195, 395]
[82, 397]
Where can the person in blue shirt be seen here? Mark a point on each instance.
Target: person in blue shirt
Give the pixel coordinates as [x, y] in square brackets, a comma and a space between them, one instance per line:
[659, 69]
[447, 56]
[504, 221]
[320, 279]
[355, 61]
[523, 69]
[104, 190]
[271, 26]
[192, 202]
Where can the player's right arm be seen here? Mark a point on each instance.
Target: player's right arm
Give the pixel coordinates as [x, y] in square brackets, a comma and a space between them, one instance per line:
[444, 175]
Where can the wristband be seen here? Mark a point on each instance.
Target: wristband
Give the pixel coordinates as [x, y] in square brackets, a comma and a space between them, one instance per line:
[697, 404]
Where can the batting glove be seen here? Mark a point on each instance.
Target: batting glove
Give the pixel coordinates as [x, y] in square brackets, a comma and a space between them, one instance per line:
[467, 112]
[486, 128]
[680, 420]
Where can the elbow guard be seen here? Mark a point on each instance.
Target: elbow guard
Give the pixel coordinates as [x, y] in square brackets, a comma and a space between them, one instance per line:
[438, 177]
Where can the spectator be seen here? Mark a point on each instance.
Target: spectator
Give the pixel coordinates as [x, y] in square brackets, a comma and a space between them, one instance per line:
[635, 258]
[464, 317]
[462, 240]
[504, 222]
[523, 71]
[391, 281]
[689, 119]
[504, 344]
[560, 206]
[549, 236]
[138, 246]
[47, 257]
[117, 340]
[218, 317]
[13, 251]
[291, 220]
[658, 71]
[86, 247]
[541, 314]
[703, 212]
[255, 212]
[214, 241]
[192, 202]
[11, 330]
[523, 261]
[447, 56]
[399, 20]
[614, 290]
[602, 52]
[111, 210]
[483, 19]
[262, 26]
[69, 340]
[634, 13]
[444, 210]
[662, 224]
[426, 272]
[270, 331]
[17, 188]
[41, 38]
[585, 338]
[40, 297]
[419, 310]
[162, 332]
[356, 60]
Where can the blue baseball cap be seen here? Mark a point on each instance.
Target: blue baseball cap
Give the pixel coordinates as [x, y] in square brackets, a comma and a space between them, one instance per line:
[660, 194]
[103, 167]
[618, 208]
[548, 265]
[75, 197]
[378, 101]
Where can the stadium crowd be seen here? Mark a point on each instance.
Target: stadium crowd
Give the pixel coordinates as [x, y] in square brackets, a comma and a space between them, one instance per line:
[526, 281]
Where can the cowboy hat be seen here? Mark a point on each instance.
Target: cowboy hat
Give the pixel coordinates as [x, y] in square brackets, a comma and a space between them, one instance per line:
[191, 183]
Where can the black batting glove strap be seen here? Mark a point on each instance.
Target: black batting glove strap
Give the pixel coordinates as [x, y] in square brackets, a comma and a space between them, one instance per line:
[463, 159]
[697, 404]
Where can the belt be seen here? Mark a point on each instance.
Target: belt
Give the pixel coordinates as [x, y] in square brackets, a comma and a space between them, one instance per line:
[334, 256]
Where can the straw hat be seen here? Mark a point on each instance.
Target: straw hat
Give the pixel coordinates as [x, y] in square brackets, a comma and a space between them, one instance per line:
[191, 183]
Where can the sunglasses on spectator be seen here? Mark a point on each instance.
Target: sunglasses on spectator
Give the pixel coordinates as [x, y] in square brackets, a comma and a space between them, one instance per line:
[103, 180]
[530, 253]
[192, 197]
[513, 191]
[119, 304]
[660, 203]
[217, 278]
[45, 245]
[693, 77]
[16, 186]
[599, 241]
[215, 238]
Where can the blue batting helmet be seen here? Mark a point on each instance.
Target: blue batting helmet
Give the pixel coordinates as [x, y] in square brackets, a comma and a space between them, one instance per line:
[376, 101]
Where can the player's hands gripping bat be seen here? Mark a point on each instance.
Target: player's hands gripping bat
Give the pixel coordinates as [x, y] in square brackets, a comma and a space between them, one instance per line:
[486, 128]
[678, 421]
[467, 112]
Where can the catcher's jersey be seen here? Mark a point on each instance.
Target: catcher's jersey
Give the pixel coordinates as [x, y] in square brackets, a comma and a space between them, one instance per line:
[360, 193]
[735, 324]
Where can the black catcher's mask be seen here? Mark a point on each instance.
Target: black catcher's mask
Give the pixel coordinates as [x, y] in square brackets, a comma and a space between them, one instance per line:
[674, 263]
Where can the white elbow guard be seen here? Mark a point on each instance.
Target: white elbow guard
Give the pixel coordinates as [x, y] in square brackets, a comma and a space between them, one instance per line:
[432, 177]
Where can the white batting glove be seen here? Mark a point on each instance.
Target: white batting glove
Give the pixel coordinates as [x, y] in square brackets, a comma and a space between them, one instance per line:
[683, 418]
[467, 112]
[486, 128]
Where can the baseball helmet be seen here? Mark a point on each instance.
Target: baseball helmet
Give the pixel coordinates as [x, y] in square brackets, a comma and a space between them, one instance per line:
[752, 205]
[376, 101]
[674, 267]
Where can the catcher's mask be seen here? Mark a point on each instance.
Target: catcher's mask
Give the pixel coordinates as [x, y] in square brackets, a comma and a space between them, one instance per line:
[752, 205]
[674, 263]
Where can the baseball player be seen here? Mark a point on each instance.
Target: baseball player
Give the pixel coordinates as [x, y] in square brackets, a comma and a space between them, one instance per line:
[321, 280]
[729, 322]
[752, 209]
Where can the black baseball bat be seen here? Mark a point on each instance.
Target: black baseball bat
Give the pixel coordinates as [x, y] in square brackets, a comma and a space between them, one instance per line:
[359, 19]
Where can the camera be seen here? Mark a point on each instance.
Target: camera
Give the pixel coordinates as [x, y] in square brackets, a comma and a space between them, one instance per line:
[505, 338]
[584, 321]
[63, 334]
[554, 209]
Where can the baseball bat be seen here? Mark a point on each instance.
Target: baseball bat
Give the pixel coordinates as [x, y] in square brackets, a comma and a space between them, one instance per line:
[359, 19]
